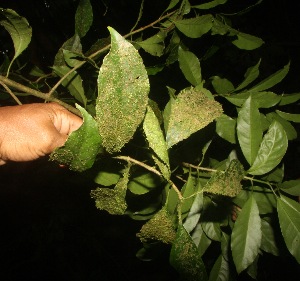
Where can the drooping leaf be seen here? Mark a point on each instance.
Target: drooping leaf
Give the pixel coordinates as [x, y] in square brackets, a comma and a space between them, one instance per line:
[158, 228]
[155, 136]
[249, 131]
[222, 85]
[19, 30]
[154, 45]
[195, 27]
[262, 99]
[72, 82]
[83, 17]
[271, 151]
[210, 5]
[185, 257]
[289, 116]
[113, 200]
[272, 80]
[227, 183]
[220, 271]
[289, 220]
[123, 89]
[246, 235]
[188, 113]
[190, 66]
[268, 241]
[247, 42]
[251, 74]
[82, 147]
[226, 128]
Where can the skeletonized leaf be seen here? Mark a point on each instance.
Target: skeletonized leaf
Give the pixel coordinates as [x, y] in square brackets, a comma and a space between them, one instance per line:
[83, 17]
[247, 42]
[289, 220]
[19, 30]
[271, 151]
[188, 113]
[82, 146]
[195, 27]
[272, 80]
[185, 257]
[246, 235]
[190, 66]
[249, 131]
[123, 88]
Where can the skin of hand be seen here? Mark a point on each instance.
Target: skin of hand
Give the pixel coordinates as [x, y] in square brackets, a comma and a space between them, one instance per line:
[30, 131]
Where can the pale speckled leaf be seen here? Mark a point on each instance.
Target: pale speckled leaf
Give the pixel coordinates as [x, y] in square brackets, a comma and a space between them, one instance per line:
[123, 88]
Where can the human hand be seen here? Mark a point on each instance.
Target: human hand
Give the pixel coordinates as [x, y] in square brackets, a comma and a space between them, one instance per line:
[30, 131]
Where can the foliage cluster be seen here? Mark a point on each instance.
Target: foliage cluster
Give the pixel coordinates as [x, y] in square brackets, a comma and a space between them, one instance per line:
[139, 148]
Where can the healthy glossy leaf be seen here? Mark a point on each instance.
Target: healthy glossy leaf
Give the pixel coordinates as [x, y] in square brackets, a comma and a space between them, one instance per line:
[210, 4]
[268, 241]
[289, 220]
[289, 98]
[265, 199]
[83, 17]
[172, 4]
[249, 131]
[18, 29]
[194, 213]
[123, 89]
[226, 128]
[154, 45]
[289, 116]
[185, 257]
[291, 187]
[271, 151]
[251, 74]
[195, 27]
[287, 126]
[247, 42]
[272, 80]
[200, 239]
[155, 136]
[246, 235]
[112, 200]
[188, 113]
[262, 99]
[222, 85]
[72, 82]
[190, 66]
[82, 147]
[143, 183]
[220, 270]
[212, 230]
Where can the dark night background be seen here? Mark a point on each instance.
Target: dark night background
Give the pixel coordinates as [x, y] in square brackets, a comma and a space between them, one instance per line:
[50, 229]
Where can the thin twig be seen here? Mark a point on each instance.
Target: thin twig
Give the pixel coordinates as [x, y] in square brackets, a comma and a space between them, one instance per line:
[10, 92]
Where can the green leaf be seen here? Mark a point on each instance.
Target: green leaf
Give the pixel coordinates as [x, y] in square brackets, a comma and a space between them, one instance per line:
[289, 116]
[247, 42]
[249, 131]
[185, 257]
[82, 147]
[251, 74]
[155, 136]
[272, 80]
[18, 29]
[72, 82]
[123, 88]
[200, 239]
[246, 236]
[291, 187]
[112, 200]
[154, 45]
[190, 66]
[220, 270]
[212, 230]
[226, 128]
[268, 241]
[172, 4]
[195, 27]
[83, 17]
[189, 112]
[222, 85]
[209, 5]
[194, 213]
[289, 98]
[289, 220]
[262, 99]
[271, 151]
